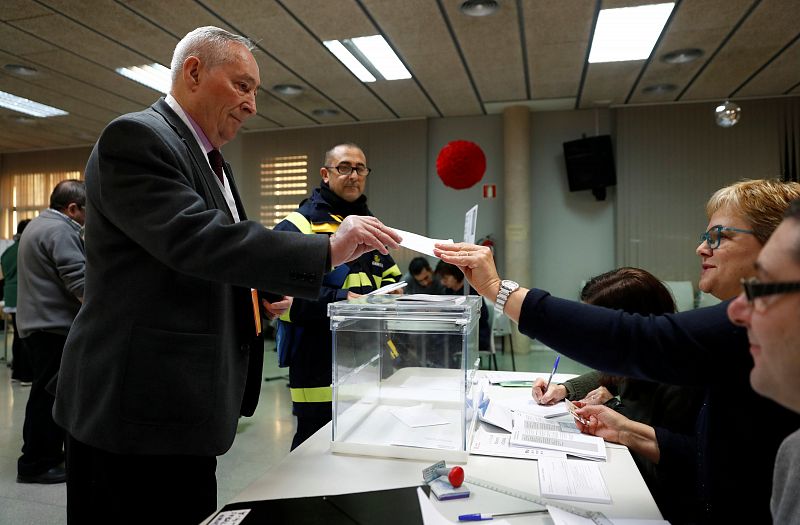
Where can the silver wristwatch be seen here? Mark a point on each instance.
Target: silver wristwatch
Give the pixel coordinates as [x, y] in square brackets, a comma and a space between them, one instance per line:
[506, 289]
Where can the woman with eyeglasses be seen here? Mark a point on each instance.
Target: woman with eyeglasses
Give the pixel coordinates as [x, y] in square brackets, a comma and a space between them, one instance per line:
[737, 430]
[741, 217]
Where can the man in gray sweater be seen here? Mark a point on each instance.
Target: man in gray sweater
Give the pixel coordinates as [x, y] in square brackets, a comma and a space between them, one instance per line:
[51, 276]
[769, 308]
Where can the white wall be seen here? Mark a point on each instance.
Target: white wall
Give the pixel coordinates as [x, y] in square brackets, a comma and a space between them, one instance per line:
[446, 206]
[572, 233]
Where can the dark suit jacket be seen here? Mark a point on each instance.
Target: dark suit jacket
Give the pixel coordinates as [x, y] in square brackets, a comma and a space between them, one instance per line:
[157, 359]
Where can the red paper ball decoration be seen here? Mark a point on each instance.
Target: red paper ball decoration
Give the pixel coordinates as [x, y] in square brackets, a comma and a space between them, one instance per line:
[461, 164]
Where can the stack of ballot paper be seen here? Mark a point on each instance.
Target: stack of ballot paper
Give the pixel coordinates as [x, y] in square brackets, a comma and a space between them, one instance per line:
[529, 430]
[538, 432]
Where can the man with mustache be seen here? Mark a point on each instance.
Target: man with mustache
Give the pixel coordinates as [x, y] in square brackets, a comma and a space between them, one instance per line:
[304, 336]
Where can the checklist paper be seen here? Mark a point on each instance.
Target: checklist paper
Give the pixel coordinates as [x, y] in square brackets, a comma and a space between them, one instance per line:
[572, 480]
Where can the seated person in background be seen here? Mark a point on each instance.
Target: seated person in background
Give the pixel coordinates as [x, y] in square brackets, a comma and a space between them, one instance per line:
[668, 465]
[421, 279]
[453, 280]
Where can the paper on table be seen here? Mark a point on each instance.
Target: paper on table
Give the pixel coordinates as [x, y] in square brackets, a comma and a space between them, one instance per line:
[498, 415]
[422, 415]
[230, 517]
[534, 431]
[635, 521]
[432, 383]
[527, 405]
[499, 377]
[431, 516]
[440, 437]
[572, 480]
[562, 517]
[419, 243]
[496, 444]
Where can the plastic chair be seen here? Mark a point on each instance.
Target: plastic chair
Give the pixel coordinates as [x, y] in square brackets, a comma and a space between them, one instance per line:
[706, 299]
[683, 292]
[501, 327]
[492, 349]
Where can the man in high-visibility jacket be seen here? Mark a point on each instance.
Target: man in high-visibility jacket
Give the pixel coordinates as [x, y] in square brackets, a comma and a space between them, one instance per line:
[304, 336]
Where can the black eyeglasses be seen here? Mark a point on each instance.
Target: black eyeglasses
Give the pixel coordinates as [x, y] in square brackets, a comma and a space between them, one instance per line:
[753, 290]
[346, 169]
[713, 236]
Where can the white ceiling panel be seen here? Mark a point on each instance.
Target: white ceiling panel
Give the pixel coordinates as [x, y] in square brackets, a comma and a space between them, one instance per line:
[530, 52]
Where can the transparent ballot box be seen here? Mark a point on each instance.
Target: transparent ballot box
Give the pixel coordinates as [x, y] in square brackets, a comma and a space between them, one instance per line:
[402, 376]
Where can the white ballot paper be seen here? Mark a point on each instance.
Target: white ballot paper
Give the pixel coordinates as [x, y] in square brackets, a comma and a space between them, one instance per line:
[562, 517]
[572, 480]
[526, 405]
[431, 383]
[497, 415]
[533, 431]
[388, 288]
[430, 298]
[419, 243]
[422, 415]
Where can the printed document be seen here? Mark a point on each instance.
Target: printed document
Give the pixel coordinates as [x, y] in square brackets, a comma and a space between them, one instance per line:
[572, 480]
[533, 431]
[498, 444]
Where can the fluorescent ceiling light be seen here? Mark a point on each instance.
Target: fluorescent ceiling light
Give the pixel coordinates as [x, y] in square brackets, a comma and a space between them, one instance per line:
[29, 107]
[351, 62]
[369, 58]
[628, 33]
[154, 76]
[380, 54]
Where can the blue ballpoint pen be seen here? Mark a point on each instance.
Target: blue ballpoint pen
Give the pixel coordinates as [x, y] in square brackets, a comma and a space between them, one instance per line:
[490, 516]
[555, 367]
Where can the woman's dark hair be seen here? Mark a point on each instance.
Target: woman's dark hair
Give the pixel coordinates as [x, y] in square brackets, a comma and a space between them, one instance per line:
[633, 290]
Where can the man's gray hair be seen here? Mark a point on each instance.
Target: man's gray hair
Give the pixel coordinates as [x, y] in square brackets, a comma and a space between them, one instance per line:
[209, 44]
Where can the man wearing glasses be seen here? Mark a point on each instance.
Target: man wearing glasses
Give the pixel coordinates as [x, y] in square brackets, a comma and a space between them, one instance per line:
[304, 337]
[769, 308]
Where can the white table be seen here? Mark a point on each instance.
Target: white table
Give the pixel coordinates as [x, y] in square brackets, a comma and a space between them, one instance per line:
[312, 470]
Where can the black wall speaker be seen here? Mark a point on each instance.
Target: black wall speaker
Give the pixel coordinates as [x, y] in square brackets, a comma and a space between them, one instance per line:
[590, 165]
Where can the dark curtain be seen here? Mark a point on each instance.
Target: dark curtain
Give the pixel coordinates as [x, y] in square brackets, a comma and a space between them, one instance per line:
[790, 154]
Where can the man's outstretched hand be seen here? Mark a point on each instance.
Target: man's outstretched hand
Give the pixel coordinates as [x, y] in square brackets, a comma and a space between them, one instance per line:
[360, 234]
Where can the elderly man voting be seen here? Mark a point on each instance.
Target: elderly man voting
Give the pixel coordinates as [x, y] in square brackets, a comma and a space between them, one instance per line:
[164, 356]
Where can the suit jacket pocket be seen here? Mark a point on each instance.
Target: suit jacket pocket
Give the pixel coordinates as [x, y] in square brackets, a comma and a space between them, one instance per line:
[169, 378]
